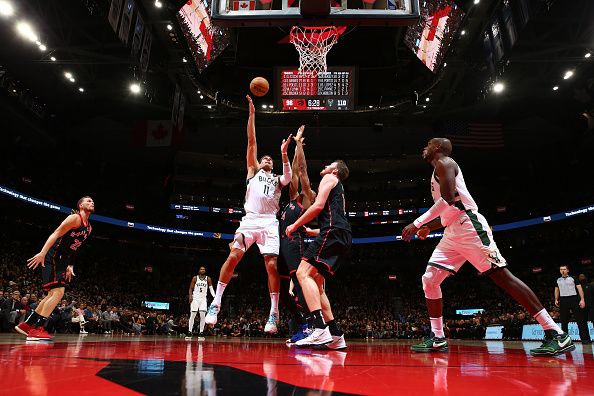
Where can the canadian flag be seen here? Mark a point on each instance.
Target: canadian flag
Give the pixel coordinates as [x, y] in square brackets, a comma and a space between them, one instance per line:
[244, 5]
[157, 133]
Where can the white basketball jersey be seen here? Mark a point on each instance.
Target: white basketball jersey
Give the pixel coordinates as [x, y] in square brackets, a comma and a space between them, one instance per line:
[464, 200]
[200, 288]
[263, 193]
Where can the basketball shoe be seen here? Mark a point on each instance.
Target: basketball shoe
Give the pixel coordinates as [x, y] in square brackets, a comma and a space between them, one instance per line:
[431, 344]
[336, 344]
[211, 315]
[554, 344]
[23, 328]
[302, 332]
[39, 334]
[270, 327]
[317, 337]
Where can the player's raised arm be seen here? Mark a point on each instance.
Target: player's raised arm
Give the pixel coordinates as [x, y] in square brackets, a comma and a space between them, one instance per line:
[308, 193]
[252, 147]
[287, 173]
[294, 185]
[70, 222]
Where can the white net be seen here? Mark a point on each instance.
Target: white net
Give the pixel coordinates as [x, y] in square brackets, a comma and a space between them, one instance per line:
[313, 44]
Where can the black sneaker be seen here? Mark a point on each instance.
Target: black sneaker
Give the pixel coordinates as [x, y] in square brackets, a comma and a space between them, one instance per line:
[431, 344]
[554, 344]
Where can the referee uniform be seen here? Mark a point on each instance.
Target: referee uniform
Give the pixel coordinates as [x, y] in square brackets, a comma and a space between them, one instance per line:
[569, 301]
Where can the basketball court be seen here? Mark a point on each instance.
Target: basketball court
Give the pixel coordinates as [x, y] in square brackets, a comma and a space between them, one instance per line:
[81, 365]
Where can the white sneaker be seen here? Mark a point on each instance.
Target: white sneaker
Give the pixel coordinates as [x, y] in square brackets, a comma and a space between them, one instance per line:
[337, 343]
[83, 331]
[270, 327]
[188, 338]
[201, 338]
[211, 315]
[317, 337]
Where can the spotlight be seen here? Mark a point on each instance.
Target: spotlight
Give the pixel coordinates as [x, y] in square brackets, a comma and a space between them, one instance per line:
[392, 106]
[72, 80]
[209, 106]
[477, 1]
[587, 55]
[158, 4]
[81, 89]
[26, 31]
[556, 87]
[371, 107]
[184, 60]
[53, 58]
[169, 27]
[6, 9]
[568, 74]
[135, 88]
[201, 96]
[42, 47]
[445, 64]
[264, 106]
[498, 87]
[427, 99]
[463, 32]
[198, 92]
[68, 75]
[424, 106]
[271, 107]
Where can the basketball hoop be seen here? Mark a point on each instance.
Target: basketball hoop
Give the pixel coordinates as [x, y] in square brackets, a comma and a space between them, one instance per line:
[313, 44]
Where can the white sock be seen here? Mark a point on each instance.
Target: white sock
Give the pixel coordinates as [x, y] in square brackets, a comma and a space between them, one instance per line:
[546, 321]
[202, 321]
[191, 321]
[437, 326]
[274, 303]
[219, 294]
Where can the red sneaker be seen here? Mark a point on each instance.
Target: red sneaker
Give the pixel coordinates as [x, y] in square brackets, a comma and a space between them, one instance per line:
[39, 334]
[23, 328]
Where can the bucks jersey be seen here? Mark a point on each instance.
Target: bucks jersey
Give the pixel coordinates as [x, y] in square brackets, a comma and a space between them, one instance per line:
[334, 213]
[463, 200]
[263, 193]
[200, 288]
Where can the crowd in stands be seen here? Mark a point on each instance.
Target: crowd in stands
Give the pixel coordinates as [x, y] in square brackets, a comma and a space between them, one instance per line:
[114, 278]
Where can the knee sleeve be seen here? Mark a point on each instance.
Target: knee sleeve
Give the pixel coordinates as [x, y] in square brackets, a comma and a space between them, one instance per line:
[431, 280]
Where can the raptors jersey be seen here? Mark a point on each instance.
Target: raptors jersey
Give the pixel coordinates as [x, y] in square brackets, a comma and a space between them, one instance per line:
[263, 193]
[334, 213]
[290, 214]
[68, 244]
[200, 288]
[464, 200]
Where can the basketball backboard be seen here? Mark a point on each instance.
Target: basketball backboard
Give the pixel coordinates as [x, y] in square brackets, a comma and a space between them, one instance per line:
[248, 13]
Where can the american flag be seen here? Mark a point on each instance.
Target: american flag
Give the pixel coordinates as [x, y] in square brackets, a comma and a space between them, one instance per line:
[478, 135]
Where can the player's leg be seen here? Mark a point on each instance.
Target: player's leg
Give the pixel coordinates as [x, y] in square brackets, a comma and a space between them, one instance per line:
[237, 251]
[202, 322]
[338, 341]
[270, 261]
[191, 323]
[33, 326]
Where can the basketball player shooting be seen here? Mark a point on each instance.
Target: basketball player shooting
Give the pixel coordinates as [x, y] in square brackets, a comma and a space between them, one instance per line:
[259, 225]
[56, 271]
[197, 296]
[467, 237]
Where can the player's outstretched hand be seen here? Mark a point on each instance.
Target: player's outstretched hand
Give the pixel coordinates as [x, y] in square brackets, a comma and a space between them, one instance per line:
[285, 144]
[409, 231]
[299, 136]
[250, 104]
[423, 232]
[34, 261]
[69, 273]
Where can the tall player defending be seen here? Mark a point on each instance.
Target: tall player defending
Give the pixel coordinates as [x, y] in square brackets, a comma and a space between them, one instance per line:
[320, 260]
[259, 225]
[197, 297]
[56, 272]
[467, 236]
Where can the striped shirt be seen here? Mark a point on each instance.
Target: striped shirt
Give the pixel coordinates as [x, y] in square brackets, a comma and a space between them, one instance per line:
[566, 286]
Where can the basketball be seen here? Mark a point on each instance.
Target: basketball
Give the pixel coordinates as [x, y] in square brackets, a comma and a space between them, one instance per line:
[259, 86]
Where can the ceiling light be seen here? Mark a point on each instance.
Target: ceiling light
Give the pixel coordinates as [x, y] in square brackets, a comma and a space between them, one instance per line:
[477, 1]
[587, 55]
[184, 60]
[42, 47]
[68, 75]
[427, 99]
[271, 107]
[463, 32]
[198, 92]
[498, 87]
[53, 58]
[445, 64]
[135, 88]
[26, 31]
[556, 87]
[72, 79]
[424, 106]
[568, 74]
[264, 106]
[392, 106]
[371, 107]
[209, 106]
[6, 9]
[169, 27]
[201, 96]
[81, 89]
[158, 4]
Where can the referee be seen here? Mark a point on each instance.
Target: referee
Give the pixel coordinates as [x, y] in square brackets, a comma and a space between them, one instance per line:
[566, 298]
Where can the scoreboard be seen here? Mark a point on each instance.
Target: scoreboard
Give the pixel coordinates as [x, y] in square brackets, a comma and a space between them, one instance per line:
[333, 90]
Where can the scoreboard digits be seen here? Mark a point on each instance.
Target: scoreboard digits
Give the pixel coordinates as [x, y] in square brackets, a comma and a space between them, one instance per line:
[332, 90]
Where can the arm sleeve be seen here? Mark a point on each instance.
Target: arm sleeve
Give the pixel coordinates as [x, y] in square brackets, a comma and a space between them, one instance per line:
[287, 174]
[435, 211]
[212, 292]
